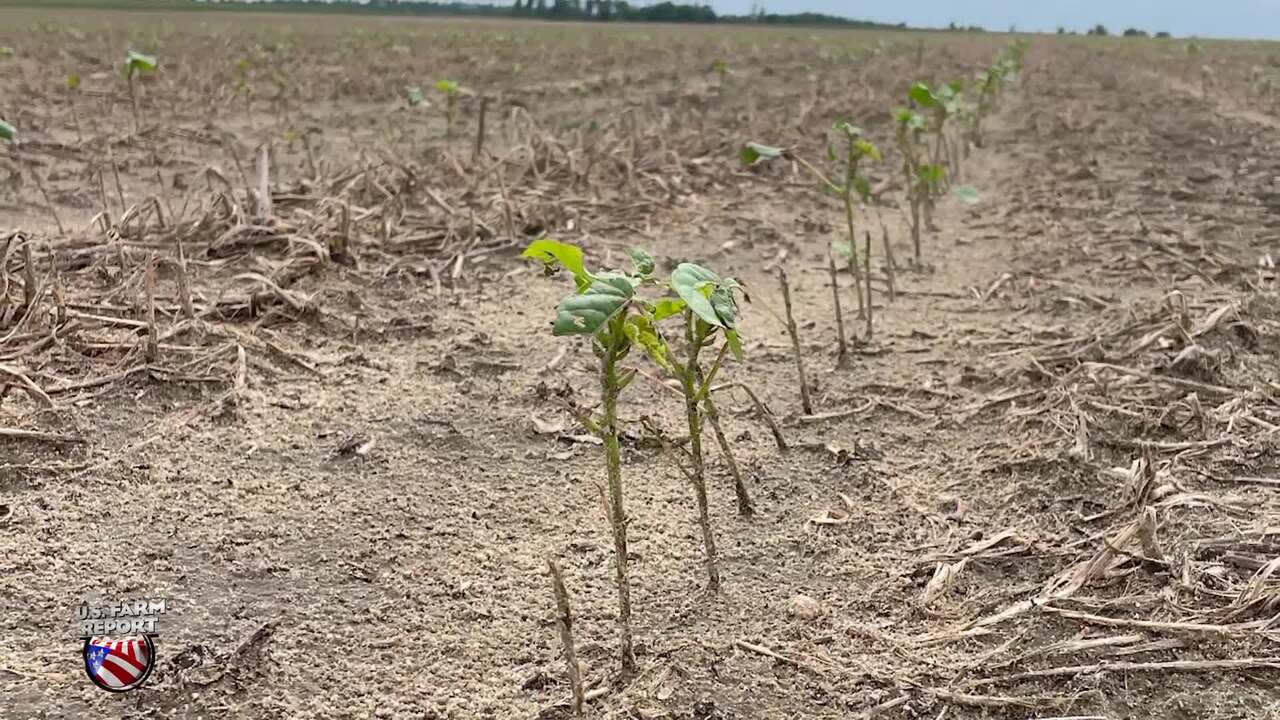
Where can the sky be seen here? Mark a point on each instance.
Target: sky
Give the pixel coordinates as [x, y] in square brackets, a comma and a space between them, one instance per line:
[1204, 18]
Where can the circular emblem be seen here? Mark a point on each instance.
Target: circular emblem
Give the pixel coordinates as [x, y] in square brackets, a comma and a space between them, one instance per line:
[119, 664]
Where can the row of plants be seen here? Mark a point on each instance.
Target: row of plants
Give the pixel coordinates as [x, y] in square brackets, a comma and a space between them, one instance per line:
[680, 321]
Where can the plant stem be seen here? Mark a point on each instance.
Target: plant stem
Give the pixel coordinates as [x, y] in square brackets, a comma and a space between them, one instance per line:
[850, 173]
[867, 260]
[842, 347]
[805, 403]
[48, 200]
[696, 336]
[133, 99]
[890, 265]
[613, 463]
[479, 148]
[739, 486]
[564, 623]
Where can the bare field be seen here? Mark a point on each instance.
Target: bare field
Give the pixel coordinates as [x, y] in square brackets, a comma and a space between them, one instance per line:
[332, 427]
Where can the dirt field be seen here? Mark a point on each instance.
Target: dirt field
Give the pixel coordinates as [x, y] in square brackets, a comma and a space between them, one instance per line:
[347, 462]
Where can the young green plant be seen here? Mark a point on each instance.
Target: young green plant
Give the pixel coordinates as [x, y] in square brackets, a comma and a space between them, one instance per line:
[72, 83]
[852, 186]
[855, 186]
[706, 306]
[134, 64]
[919, 177]
[605, 307]
[452, 92]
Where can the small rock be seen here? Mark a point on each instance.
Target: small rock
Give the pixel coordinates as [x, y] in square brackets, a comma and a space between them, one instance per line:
[804, 607]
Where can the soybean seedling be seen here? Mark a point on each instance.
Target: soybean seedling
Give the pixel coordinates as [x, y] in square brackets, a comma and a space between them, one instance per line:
[72, 83]
[707, 309]
[134, 64]
[857, 149]
[452, 91]
[605, 308]
[941, 104]
[919, 177]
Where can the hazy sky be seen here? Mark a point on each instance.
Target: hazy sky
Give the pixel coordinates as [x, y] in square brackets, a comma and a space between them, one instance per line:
[1208, 18]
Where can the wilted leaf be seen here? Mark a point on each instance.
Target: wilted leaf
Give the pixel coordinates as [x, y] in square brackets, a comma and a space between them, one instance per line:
[6, 51]
[944, 576]
[640, 332]
[413, 94]
[734, 341]
[753, 153]
[641, 260]
[567, 256]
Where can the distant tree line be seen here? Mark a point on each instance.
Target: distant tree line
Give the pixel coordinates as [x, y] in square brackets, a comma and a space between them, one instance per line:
[603, 10]
[1100, 30]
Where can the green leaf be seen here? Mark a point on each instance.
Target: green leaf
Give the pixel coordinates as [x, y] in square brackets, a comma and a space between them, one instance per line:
[863, 187]
[931, 175]
[7, 131]
[753, 153]
[923, 96]
[967, 194]
[909, 120]
[136, 62]
[843, 249]
[553, 252]
[642, 261]
[625, 378]
[850, 130]
[707, 295]
[668, 307]
[448, 87]
[867, 149]
[72, 81]
[689, 280]
[641, 332]
[726, 306]
[413, 94]
[6, 51]
[734, 341]
[586, 313]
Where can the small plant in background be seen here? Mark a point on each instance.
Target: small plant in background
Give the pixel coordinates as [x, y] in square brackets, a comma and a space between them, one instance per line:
[8, 133]
[134, 64]
[72, 83]
[1192, 52]
[855, 185]
[605, 308]
[413, 95]
[722, 71]
[452, 92]
[941, 104]
[918, 177]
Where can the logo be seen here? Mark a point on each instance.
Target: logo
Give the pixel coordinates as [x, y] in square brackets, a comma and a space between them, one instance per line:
[119, 642]
[119, 665]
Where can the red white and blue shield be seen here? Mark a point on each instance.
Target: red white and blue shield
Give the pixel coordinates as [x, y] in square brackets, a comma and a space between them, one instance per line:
[119, 664]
